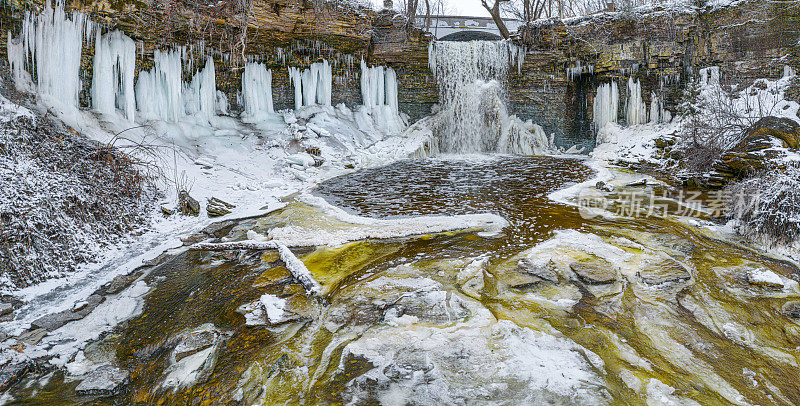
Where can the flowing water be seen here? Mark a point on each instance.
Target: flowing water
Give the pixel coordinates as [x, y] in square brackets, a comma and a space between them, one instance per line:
[556, 309]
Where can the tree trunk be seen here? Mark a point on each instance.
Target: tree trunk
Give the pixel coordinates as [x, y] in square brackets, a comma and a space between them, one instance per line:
[498, 20]
[428, 15]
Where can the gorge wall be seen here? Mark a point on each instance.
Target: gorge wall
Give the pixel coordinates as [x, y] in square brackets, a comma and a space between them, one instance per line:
[566, 60]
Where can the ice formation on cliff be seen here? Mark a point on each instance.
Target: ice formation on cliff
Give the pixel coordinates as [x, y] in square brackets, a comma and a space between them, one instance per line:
[158, 91]
[50, 45]
[313, 85]
[256, 91]
[606, 105]
[112, 80]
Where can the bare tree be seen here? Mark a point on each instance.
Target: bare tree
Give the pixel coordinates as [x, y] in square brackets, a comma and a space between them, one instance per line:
[494, 10]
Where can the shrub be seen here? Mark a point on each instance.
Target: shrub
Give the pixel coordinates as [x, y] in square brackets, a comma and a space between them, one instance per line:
[768, 205]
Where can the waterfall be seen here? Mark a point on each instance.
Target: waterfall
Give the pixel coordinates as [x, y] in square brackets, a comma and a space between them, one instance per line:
[50, 45]
[313, 85]
[112, 79]
[636, 110]
[606, 105]
[257, 91]
[473, 116]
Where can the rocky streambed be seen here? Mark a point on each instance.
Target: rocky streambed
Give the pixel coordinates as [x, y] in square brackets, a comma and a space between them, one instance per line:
[537, 302]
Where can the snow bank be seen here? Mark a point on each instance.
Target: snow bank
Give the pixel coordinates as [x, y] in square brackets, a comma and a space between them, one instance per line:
[362, 228]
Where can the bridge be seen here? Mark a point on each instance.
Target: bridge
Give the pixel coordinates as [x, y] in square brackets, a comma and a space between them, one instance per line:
[463, 28]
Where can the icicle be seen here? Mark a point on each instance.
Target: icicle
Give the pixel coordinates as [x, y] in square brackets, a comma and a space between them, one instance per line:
[158, 91]
[788, 71]
[313, 85]
[50, 45]
[257, 91]
[222, 102]
[606, 105]
[391, 90]
[200, 95]
[636, 111]
[656, 109]
[112, 80]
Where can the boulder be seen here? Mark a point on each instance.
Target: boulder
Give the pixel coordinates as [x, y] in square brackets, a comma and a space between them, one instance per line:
[105, 381]
[32, 336]
[6, 308]
[594, 273]
[547, 272]
[792, 309]
[217, 207]
[194, 342]
[187, 205]
[54, 321]
[756, 150]
[120, 282]
[765, 279]
[666, 271]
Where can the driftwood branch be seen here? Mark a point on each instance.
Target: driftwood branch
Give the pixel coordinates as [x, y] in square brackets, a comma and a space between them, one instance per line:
[293, 264]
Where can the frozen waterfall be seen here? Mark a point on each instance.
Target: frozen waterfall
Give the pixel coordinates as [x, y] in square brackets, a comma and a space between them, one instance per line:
[158, 91]
[200, 95]
[379, 86]
[313, 85]
[636, 110]
[256, 91]
[379, 98]
[112, 80]
[473, 116]
[606, 105]
[50, 45]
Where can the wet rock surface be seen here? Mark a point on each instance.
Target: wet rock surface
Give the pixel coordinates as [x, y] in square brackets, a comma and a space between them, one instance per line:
[594, 273]
[12, 373]
[663, 272]
[792, 309]
[105, 381]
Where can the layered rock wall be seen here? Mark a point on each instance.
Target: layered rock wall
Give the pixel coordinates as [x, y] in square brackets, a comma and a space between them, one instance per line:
[661, 48]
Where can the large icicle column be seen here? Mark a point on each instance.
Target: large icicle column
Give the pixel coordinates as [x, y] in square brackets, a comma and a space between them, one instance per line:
[379, 96]
[606, 105]
[200, 96]
[313, 85]
[50, 45]
[158, 91]
[473, 117]
[636, 110]
[112, 79]
[256, 91]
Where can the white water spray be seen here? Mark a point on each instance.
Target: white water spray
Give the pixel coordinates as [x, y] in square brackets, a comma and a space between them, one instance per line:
[50, 45]
[473, 117]
[112, 79]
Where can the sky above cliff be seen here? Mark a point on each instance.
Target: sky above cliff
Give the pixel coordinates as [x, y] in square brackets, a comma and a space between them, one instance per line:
[459, 7]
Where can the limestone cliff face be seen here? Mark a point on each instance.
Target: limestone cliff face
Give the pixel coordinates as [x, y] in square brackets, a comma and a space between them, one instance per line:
[661, 48]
